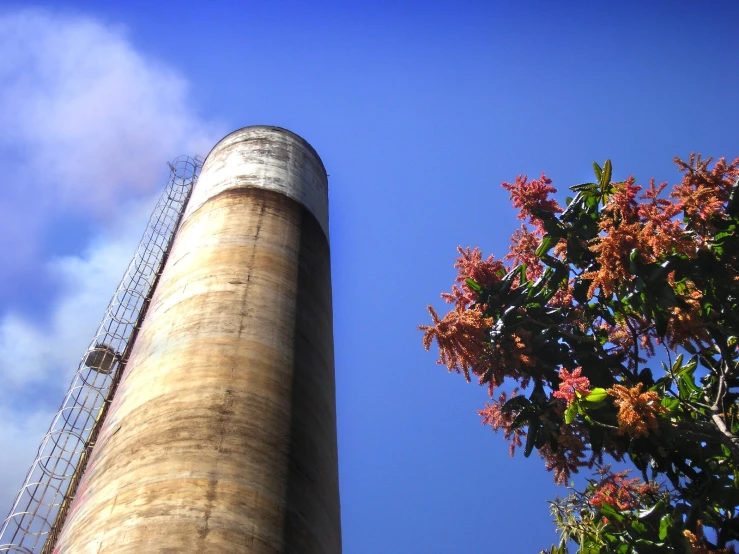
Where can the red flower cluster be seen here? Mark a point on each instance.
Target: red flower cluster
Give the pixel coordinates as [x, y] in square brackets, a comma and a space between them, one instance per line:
[532, 196]
[632, 222]
[523, 251]
[471, 266]
[622, 493]
[493, 415]
[570, 453]
[572, 383]
[662, 231]
[461, 336]
[613, 249]
[637, 410]
[623, 205]
[703, 192]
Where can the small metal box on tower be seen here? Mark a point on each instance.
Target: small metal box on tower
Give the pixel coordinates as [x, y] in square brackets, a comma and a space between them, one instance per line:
[101, 359]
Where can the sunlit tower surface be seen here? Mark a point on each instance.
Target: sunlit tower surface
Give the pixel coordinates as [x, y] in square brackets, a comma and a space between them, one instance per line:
[216, 428]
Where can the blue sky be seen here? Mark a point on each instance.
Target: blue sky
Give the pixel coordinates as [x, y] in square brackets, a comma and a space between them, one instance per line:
[419, 111]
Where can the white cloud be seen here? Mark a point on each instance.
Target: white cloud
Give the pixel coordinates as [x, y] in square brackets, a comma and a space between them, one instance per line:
[94, 118]
[31, 352]
[86, 125]
[20, 443]
[86, 121]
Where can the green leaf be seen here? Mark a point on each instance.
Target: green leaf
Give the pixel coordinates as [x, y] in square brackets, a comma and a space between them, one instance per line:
[605, 179]
[597, 438]
[611, 513]
[643, 546]
[546, 244]
[554, 228]
[570, 413]
[670, 403]
[643, 514]
[587, 187]
[515, 403]
[598, 394]
[531, 436]
[659, 272]
[598, 171]
[474, 286]
[520, 420]
[733, 206]
[580, 290]
[667, 299]
[690, 366]
[664, 526]
[573, 208]
[691, 383]
[686, 382]
[661, 319]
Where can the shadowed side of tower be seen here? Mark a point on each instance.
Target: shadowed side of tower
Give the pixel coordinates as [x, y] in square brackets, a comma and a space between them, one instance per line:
[222, 434]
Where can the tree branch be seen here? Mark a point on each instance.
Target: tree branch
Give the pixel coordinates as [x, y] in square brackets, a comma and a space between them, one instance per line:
[730, 440]
[635, 338]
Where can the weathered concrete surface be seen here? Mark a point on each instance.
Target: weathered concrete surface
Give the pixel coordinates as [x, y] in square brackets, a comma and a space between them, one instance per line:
[289, 166]
[222, 435]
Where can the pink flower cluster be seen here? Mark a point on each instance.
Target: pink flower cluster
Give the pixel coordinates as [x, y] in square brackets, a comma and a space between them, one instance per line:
[572, 383]
[532, 196]
[621, 493]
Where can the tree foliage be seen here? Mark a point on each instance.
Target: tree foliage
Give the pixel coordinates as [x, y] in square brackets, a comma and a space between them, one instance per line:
[615, 323]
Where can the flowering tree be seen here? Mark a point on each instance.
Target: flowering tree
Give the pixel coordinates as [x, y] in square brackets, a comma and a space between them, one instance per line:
[614, 323]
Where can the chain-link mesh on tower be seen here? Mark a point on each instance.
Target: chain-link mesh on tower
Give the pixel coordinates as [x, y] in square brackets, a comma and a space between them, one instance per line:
[40, 508]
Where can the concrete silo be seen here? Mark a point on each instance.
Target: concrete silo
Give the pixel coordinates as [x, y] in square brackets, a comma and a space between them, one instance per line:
[221, 436]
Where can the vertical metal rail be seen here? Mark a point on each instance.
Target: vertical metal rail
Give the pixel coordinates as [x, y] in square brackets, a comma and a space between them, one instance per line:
[40, 508]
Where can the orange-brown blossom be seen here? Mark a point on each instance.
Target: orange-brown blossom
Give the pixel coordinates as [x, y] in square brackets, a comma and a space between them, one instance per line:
[637, 411]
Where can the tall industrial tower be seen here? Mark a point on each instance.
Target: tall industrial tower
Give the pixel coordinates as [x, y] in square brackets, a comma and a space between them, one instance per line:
[221, 434]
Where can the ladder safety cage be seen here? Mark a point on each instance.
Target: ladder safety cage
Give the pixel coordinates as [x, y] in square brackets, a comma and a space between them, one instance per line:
[39, 510]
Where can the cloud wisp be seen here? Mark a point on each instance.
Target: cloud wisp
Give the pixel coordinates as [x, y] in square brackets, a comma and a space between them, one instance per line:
[87, 111]
[31, 351]
[87, 122]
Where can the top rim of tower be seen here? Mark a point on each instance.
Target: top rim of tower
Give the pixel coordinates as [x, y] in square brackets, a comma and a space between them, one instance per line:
[272, 128]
